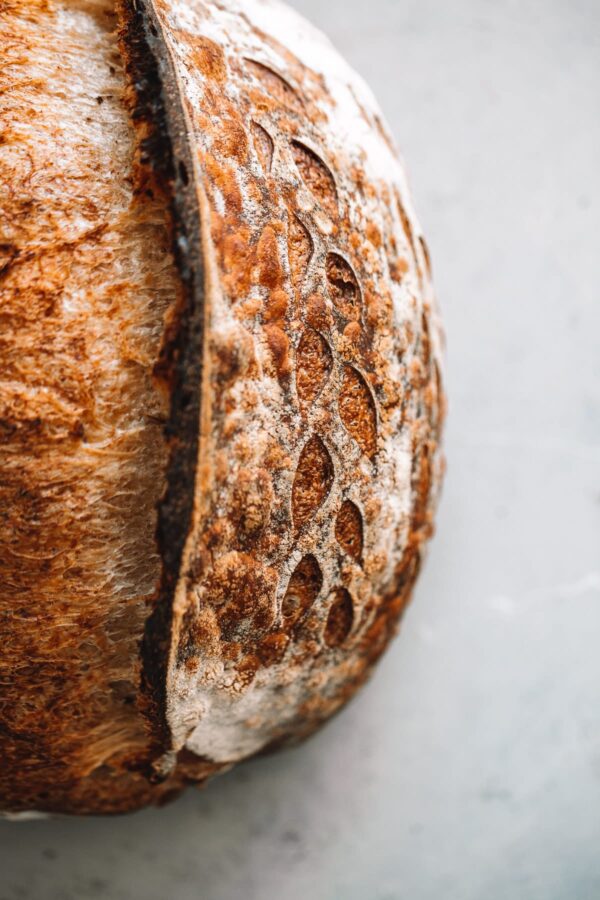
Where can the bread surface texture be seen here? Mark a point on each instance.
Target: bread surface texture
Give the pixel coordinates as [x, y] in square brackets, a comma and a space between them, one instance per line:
[233, 351]
[88, 281]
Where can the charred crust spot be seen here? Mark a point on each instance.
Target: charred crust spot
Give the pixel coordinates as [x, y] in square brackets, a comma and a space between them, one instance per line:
[340, 618]
[303, 589]
[312, 482]
[357, 410]
[343, 286]
[349, 529]
[300, 248]
[314, 361]
[183, 173]
[275, 85]
[317, 177]
[264, 146]
[8, 254]
[149, 109]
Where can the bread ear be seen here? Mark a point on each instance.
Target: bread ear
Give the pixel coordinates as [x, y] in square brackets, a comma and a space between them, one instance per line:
[286, 407]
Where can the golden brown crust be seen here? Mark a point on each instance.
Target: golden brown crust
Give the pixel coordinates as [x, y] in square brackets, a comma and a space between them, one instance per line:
[87, 288]
[293, 372]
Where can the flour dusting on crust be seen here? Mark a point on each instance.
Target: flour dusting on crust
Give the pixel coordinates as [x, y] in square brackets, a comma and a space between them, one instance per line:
[321, 383]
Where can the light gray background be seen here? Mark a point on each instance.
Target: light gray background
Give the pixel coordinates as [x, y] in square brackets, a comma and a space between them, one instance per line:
[470, 767]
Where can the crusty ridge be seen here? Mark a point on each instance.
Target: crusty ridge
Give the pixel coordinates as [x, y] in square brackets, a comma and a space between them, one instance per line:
[160, 124]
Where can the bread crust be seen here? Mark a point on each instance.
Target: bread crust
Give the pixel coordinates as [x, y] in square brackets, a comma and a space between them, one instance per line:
[321, 406]
[302, 407]
[88, 285]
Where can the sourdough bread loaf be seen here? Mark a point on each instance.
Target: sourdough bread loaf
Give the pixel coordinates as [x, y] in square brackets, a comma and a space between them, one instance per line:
[221, 399]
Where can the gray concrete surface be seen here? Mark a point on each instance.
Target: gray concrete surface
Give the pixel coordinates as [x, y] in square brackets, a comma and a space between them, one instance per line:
[470, 767]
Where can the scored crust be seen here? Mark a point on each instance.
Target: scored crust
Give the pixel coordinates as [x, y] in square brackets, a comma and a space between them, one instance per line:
[321, 402]
[285, 416]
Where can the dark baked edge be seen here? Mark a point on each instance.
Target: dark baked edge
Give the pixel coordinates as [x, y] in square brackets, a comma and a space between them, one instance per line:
[167, 150]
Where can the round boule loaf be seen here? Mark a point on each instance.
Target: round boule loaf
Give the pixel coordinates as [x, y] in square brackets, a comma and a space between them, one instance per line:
[220, 393]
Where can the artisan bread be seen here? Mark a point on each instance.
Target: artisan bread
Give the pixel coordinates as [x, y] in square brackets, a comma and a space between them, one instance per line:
[221, 398]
